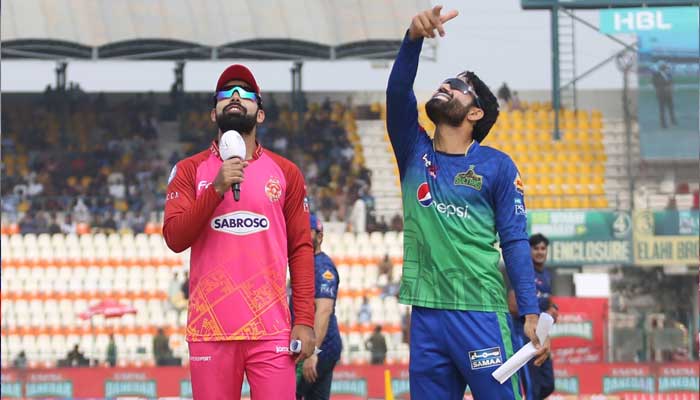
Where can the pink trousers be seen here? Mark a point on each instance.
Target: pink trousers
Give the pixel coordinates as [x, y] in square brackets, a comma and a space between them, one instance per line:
[217, 369]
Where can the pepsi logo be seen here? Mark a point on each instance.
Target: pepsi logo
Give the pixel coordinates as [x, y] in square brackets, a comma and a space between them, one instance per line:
[424, 197]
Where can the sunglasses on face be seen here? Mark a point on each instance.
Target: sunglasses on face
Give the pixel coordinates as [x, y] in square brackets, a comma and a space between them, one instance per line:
[243, 93]
[461, 86]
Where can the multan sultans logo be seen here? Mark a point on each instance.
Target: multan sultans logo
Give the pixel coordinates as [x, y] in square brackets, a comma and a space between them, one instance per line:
[518, 183]
[328, 275]
[469, 178]
[485, 358]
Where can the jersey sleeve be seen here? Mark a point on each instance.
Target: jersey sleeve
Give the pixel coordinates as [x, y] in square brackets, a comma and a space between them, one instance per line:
[511, 225]
[401, 104]
[299, 247]
[326, 280]
[185, 213]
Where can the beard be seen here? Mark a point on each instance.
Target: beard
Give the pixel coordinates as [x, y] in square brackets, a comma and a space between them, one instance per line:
[243, 123]
[449, 112]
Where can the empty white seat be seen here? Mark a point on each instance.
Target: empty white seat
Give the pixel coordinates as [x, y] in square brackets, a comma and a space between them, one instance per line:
[99, 239]
[44, 240]
[376, 238]
[29, 240]
[16, 241]
[114, 239]
[141, 240]
[58, 240]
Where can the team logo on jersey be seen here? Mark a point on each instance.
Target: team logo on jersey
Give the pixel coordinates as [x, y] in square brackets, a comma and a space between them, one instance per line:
[424, 197]
[469, 178]
[485, 358]
[240, 223]
[328, 275]
[173, 172]
[273, 189]
[519, 184]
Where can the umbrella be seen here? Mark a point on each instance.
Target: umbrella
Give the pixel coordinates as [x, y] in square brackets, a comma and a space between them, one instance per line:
[108, 308]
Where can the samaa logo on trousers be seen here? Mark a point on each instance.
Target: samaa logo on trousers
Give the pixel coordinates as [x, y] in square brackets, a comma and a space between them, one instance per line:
[240, 223]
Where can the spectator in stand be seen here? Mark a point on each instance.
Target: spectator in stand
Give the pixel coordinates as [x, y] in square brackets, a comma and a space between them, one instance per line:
[111, 351]
[358, 217]
[504, 94]
[176, 299]
[54, 227]
[161, 348]
[98, 172]
[662, 79]
[390, 289]
[365, 313]
[376, 344]
[68, 226]
[386, 267]
[137, 222]
[185, 288]
[81, 212]
[406, 327]
[20, 362]
[76, 358]
[109, 225]
[30, 223]
[515, 104]
[397, 223]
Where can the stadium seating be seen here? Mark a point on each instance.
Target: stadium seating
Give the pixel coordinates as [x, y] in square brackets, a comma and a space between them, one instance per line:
[48, 280]
[565, 173]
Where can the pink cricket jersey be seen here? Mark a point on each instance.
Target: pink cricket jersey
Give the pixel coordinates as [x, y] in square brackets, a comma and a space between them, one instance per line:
[240, 250]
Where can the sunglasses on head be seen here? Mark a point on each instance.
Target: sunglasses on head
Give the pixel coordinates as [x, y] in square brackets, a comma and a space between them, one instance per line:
[243, 93]
[465, 88]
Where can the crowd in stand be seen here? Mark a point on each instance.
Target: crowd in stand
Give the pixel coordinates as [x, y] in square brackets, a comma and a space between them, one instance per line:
[319, 140]
[71, 155]
[71, 159]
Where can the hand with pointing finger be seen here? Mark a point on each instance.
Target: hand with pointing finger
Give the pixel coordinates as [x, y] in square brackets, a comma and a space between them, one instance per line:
[426, 22]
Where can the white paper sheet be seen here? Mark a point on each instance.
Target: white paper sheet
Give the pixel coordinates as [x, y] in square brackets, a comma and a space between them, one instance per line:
[526, 353]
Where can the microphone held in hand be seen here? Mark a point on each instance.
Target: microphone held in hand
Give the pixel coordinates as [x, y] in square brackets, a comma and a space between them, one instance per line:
[232, 145]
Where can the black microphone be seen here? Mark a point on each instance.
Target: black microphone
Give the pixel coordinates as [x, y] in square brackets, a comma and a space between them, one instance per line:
[232, 145]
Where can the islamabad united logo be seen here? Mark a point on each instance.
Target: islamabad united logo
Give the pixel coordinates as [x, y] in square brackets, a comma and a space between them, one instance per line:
[424, 197]
[273, 189]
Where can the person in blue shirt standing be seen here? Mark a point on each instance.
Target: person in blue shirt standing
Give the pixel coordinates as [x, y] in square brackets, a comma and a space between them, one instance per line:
[459, 199]
[539, 373]
[317, 371]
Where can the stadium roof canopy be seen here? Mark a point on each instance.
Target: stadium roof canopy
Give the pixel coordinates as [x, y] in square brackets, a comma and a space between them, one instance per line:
[205, 29]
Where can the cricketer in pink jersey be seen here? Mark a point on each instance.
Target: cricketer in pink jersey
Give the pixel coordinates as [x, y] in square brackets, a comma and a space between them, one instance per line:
[238, 318]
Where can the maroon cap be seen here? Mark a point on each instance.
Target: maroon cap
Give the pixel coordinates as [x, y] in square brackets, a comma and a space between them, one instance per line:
[237, 72]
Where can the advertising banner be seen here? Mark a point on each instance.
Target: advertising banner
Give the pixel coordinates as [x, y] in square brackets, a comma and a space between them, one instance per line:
[677, 381]
[584, 237]
[578, 337]
[666, 237]
[668, 72]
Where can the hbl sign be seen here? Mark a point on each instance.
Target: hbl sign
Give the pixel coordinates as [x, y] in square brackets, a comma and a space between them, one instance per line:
[635, 20]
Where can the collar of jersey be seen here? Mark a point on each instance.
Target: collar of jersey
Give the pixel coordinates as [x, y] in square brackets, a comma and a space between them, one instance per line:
[472, 148]
[214, 148]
